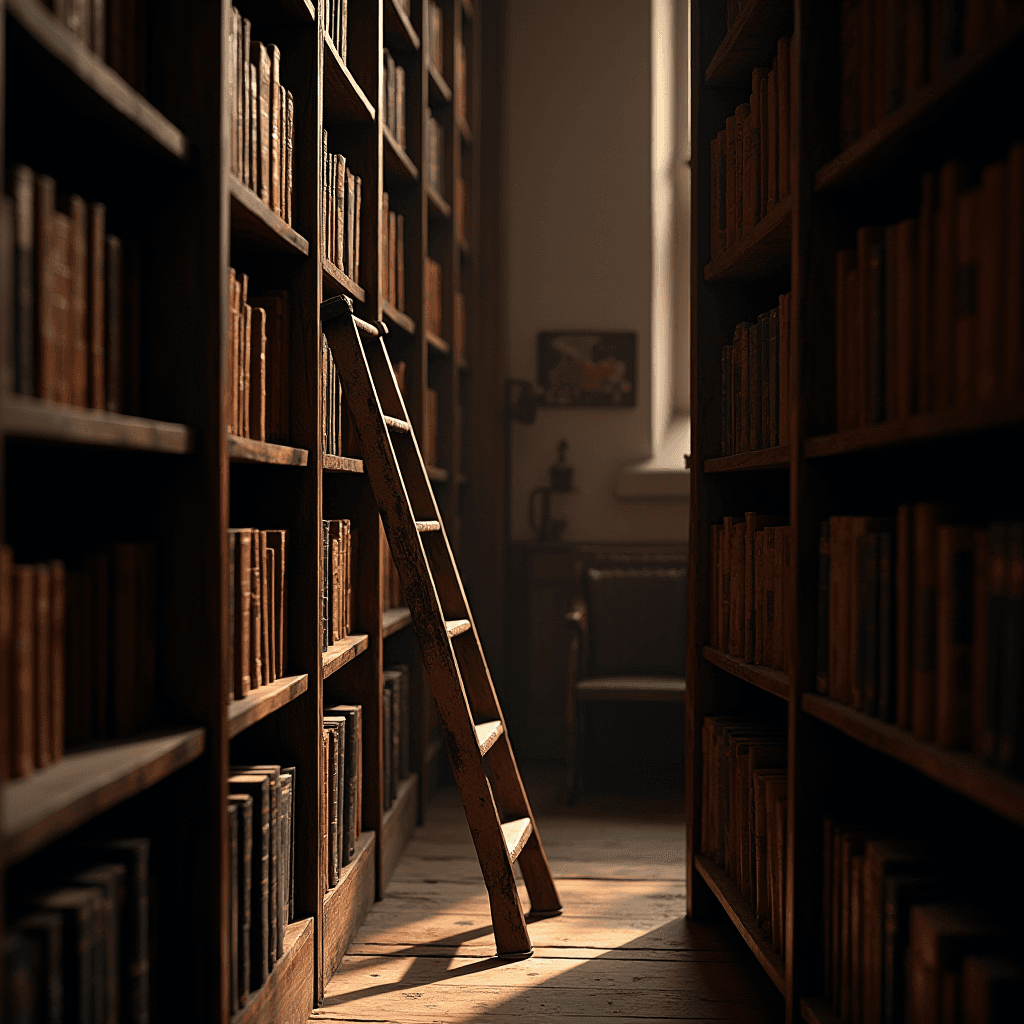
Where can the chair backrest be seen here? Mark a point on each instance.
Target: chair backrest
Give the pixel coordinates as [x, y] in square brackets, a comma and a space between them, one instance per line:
[637, 620]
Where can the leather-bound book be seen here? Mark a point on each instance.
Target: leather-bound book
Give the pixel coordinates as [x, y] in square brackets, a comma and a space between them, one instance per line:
[968, 347]
[23, 704]
[257, 786]
[243, 614]
[233, 1003]
[26, 270]
[274, 111]
[43, 933]
[42, 677]
[97, 304]
[58, 633]
[285, 891]
[60, 299]
[76, 391]
[243, 804]
[258, 376]
[46, 324]
[272, 773]
[886, 619]
[990, 235]
[903, 318]
[115, 338]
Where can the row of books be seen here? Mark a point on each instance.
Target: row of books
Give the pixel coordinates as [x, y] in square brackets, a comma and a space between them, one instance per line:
[919, 622]
[395, 713]
[890, 50]
[750, 560]
[339, 437]
[77, 653]
[115, 30]
[78, 948]
[929, 311]
[433, 283]
[336, 26]
[392, 250]
[342, 212]
[394, 98]
[433, 155]
[261, 873]
[258, 362]
[899, 941]
[77, 300]
[750, 156]
[336, 596]
[257, 609]
[433, 35]
[743, 818]
[755, 383]
[342, 786]
[263, 112]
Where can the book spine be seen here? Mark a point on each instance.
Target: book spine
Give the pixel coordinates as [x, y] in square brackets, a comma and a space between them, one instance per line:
[23, 709]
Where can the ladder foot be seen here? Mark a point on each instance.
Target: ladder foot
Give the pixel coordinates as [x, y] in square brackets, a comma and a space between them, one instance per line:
[557, 912]
[515, 956]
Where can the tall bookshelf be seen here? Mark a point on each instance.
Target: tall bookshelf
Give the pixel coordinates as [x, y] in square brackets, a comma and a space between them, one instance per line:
[160, 158]
[842, 762]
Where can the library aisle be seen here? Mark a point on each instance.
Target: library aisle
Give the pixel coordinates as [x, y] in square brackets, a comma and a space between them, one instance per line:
[621, 950]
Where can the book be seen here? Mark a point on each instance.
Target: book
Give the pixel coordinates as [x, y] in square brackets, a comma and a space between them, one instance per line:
[257, 786]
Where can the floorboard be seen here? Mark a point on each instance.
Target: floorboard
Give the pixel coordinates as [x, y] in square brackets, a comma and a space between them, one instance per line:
[620, 951]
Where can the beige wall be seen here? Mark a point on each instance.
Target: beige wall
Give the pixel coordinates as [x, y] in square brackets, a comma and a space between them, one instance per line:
[578, 243]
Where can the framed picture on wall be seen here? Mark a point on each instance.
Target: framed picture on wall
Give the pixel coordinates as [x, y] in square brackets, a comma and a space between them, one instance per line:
[587, 369]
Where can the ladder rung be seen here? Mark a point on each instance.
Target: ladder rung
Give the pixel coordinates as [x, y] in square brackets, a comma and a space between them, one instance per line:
[456, 626]
[427, 525]
[516, 833]
[486, 734]
[396, 424]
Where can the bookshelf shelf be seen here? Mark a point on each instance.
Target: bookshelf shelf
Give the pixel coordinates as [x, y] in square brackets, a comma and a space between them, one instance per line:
[397, 825]
[751, 41]
[440, 90]
[245, 449]
[337, 282]
[345, 905]
[342, 464]
[816, 1011]
[258, 227]
[398, 31]
[879, 149]
[94, 86]
[394, 619]
[344, 98]
[343, 652]
[55, 800]
[728, 894]
[438, 474]
[287, 993]
[397, 163]
[765, 458]
[398, 319]
[265, 700]
[438, 205]
[769, 679]
[954, 769]
[437, 343]
[760, 252]
[917, 429]
[35, 418]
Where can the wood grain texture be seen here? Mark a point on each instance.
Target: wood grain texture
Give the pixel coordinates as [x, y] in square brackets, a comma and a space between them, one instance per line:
[769, 679]
[337, 282]
[258, 227]
[397, 826]
[955, 769]
[342, 464]
[398, 165]
[343, 652]
[394, 619]
[439, 206]
[26, 416]
[264, 701]
[99, 86]
[344, 98]
[347, 904]
[56, 799]
[397, 318]
[743, 918]
[437, 343]
[286, 997]
[245, 449]
[750, 42]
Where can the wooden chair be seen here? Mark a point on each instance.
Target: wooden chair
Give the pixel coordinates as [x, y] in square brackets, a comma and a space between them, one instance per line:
[627, 639]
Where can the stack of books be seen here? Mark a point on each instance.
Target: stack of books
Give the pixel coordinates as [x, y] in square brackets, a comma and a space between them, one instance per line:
[342, 212]
[264, 118]
[257, 614]
[336, 596]
[392, 254]
[342, 752]
[433, 35]
[336, 26]
[76, 300]
[261, 870]
[750, 156]
[394, 98]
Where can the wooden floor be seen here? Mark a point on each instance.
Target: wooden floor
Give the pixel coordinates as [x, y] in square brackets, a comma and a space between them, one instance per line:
[620, 951]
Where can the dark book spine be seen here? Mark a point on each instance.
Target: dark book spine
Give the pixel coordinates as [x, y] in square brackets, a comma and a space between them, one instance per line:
[1011, 742]
[386, 708]
[824, 571]
[868, 607]
[886, 620]
[233, 907]
[756, 339]
[877, 331]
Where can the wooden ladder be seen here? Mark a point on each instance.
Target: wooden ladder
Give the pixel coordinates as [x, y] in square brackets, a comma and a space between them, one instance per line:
[453, 659]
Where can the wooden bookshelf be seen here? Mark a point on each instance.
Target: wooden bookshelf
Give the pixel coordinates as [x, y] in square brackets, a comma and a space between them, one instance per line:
[159, 157]
[842, 763]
